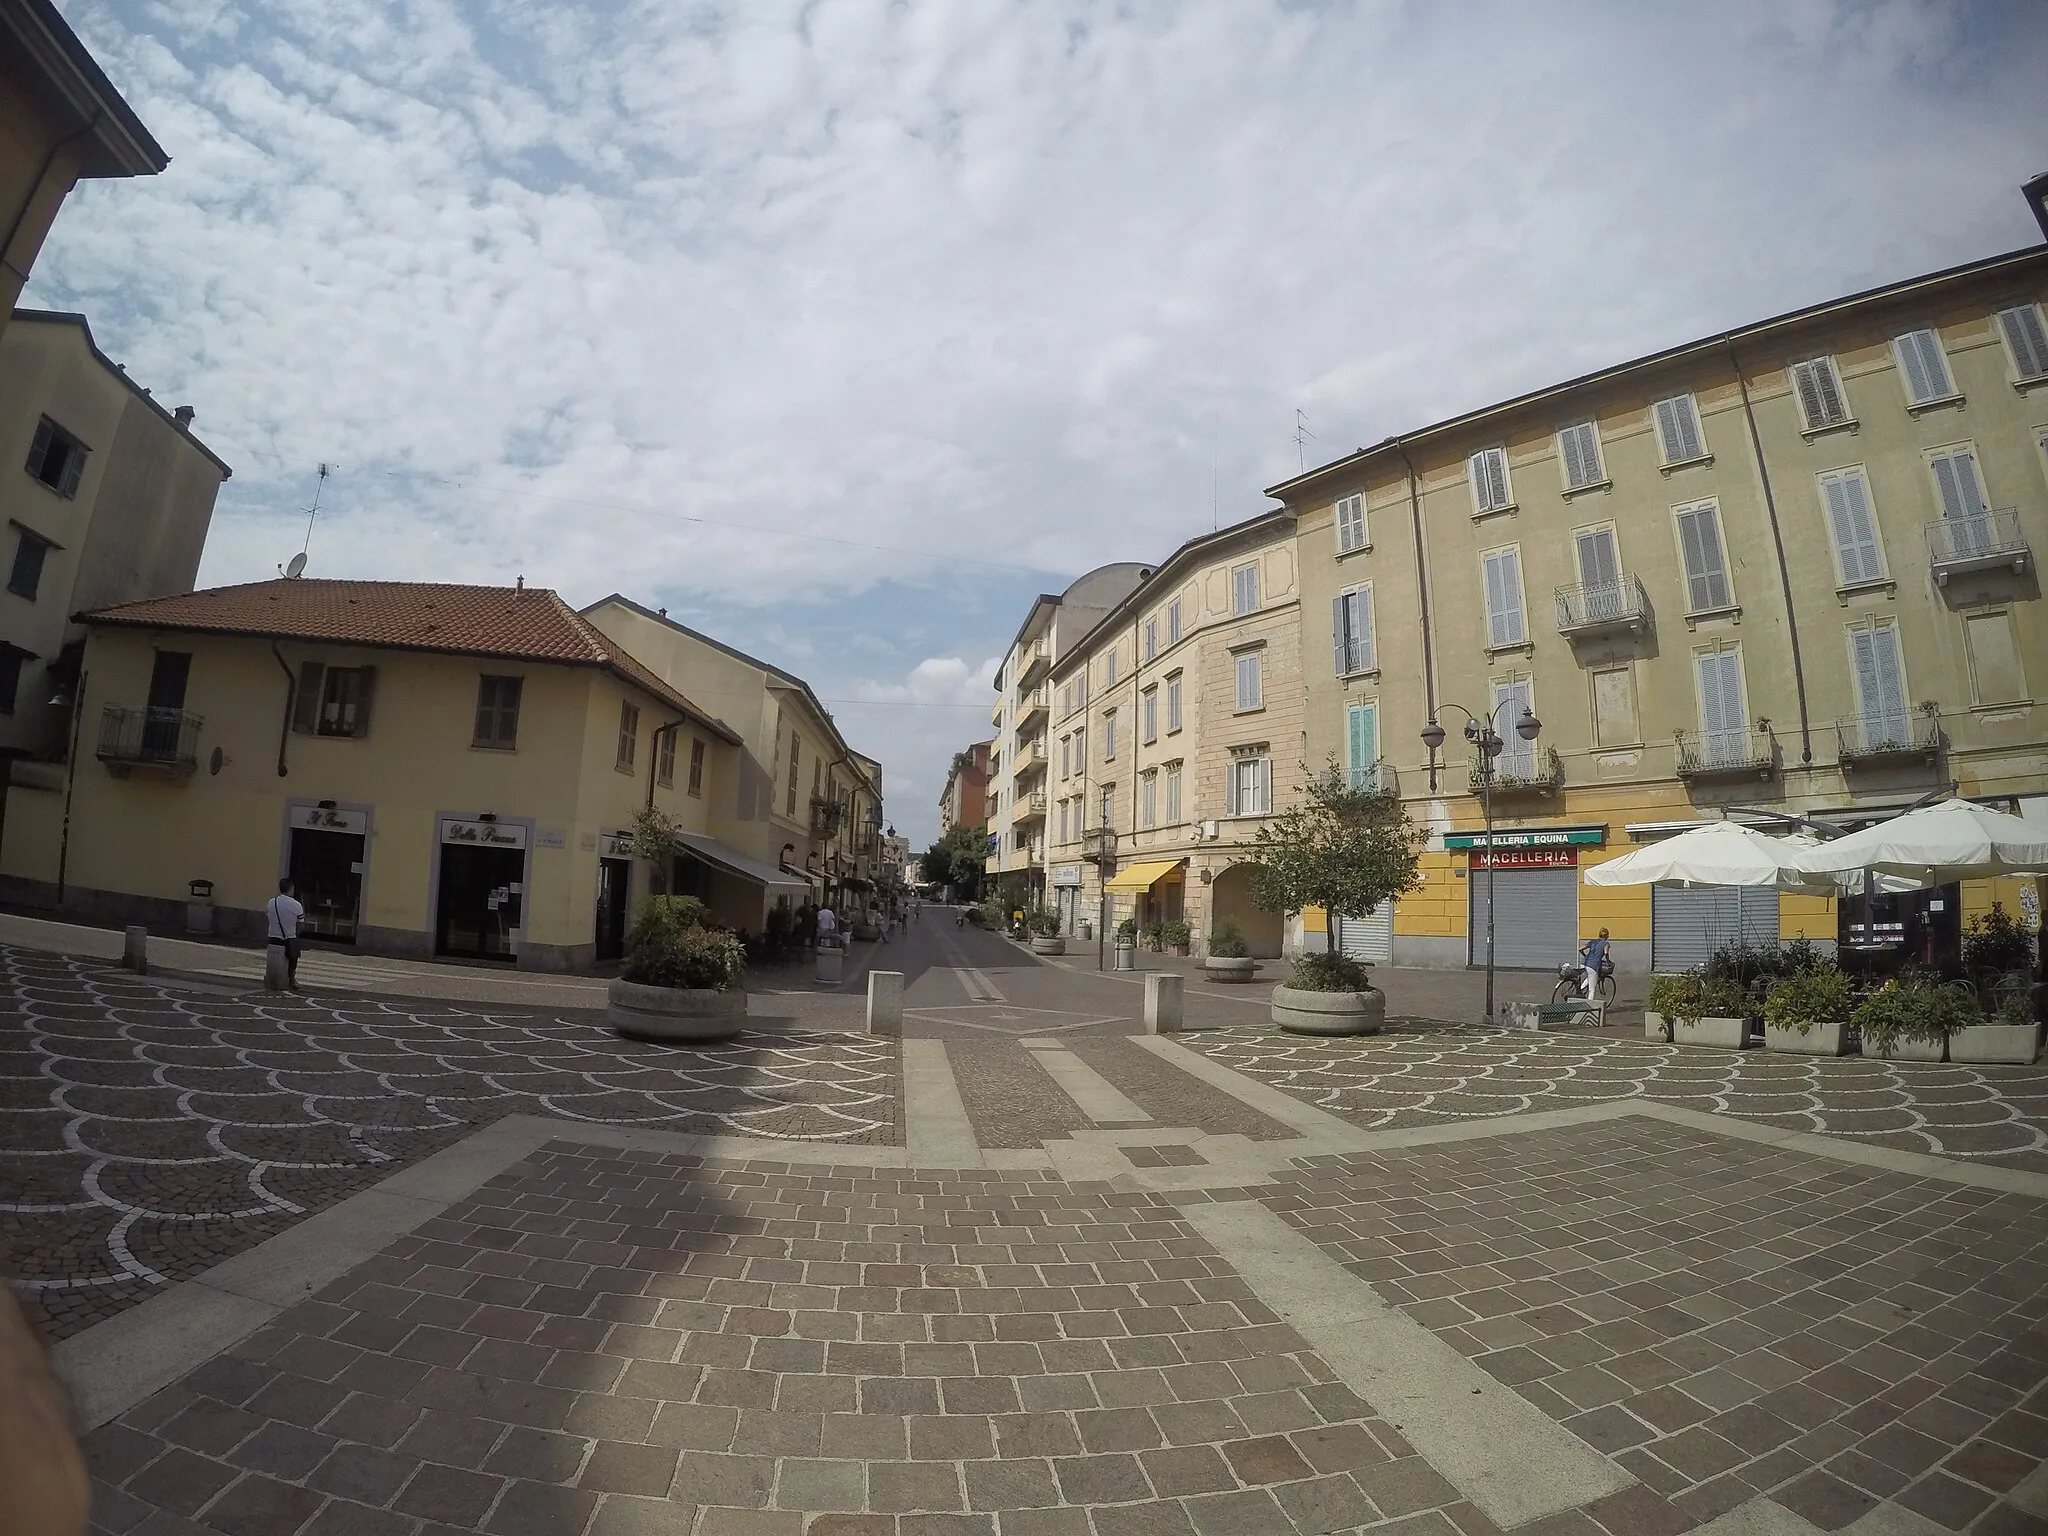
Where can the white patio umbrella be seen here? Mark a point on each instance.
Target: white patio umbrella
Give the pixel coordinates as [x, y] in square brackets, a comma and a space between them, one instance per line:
[1717, 854]
[1955, 840]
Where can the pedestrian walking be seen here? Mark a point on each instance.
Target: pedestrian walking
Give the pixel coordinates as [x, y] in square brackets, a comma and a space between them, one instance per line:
[828, 928]
[281, 918]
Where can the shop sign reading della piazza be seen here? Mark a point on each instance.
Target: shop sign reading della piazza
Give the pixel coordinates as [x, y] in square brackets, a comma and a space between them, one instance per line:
[482, 834]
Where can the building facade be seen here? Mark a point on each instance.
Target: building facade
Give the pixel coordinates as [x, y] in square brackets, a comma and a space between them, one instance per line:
[1176, 726]
[1017, 801]
[1789, 571]
[107, 498]
[964, 801]
[441, 770]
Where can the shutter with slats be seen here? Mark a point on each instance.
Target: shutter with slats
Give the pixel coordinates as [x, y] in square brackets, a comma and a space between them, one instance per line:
[1854, 528]
[1362, 658]
[1926, 370]
[1489, 474]
[1963, 506]
[1678, 429]
[74, 467]
[1880, 687]
[1350, 523]
[1580, 446]
[39, 447]
[1363, 721]
[1340, 642]
[1517, 757]
[306, 708]
[1706, 575]
[1504, 597]
[1820, 397]
[2027, 339]
[1722, 718]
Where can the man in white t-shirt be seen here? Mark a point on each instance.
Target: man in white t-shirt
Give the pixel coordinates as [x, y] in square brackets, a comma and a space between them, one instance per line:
[281, 916]
[828, 928]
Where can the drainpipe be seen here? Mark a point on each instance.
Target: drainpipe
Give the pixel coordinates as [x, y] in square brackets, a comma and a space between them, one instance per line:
[1422, 591]
[291, 701]
[35, 189]
[70, 782]
[1756, 444]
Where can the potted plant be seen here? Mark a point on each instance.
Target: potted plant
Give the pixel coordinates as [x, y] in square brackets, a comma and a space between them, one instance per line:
[1808, 1013]
[1175, 936]
[1155, 937]
[1998, 957]
[1126, 943]
[1671, 998]
[1343, 849]
[1695, 1010]
[681, 980]
[1229, 958]
[2011, 1035]
[1045, 932]
[1919, 1018]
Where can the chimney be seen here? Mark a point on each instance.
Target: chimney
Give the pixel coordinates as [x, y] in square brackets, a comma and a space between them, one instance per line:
[183, 416]
[519, 584]
[664, 613]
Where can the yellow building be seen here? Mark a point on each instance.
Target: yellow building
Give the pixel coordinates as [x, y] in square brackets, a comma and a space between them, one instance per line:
[1791, 570]
[1176, 725]
[802, 801]
[442, 770]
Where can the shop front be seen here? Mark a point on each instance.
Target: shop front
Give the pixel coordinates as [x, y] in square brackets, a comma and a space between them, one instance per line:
[1066, 897]
[614, 891]
[1880, 934]
[1531, 879]
[326, 852]
[1157, 887]
[480, 887]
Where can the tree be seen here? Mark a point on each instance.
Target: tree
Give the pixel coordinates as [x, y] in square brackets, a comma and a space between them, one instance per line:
[1341, 849]
[957, 859]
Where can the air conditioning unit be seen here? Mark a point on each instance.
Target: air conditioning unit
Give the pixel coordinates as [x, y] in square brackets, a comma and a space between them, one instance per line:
[1211, 831]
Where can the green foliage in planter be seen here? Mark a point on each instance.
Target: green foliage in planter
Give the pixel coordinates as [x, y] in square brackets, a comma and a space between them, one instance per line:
[1914, 1010]
[1817, 996]
[1994, 941]
[1341, 848]
[1676, 997]
[1326, 971]
[670, 947]
[1226, 941]
[1127, 931]
[2017, 1009]
[1726, 999]
[1155, 937]
[1044, 923]
[988, 914]
[1175, 935]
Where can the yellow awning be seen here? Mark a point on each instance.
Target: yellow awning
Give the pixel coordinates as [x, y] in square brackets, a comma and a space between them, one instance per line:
[1142, 877]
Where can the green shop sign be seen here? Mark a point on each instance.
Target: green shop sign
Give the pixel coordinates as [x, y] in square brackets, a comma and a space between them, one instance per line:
[1547, 837]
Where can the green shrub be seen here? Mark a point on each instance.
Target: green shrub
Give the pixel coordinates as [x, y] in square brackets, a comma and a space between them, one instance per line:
[670, 947]
[1807, 998]
[1226, 941]
[1319, 970]
[1914, 1010]
[1676, 997]
[1726, 998]
[1175, 935]
[1127, 931]
[1994, 941]
[2017, 1009]
[1044, 923]
[1155, 937]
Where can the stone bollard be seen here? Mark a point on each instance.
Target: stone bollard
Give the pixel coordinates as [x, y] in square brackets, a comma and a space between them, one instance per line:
[135, 949]
[885, 1004]
[1162, 1003]
[277, 970]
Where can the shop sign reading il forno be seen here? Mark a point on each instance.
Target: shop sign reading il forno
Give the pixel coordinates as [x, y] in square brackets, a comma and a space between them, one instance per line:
[482, 834]
[322, 818]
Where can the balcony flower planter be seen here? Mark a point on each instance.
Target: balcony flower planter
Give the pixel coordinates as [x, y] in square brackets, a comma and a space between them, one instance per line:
[674, 1015]
[1053, 945]
[1229, 968]
[1329, 1013]
[1814, 1040]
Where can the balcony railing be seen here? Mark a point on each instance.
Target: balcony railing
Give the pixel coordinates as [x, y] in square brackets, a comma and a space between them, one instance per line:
[825, 817]
[1603, 607]
[1986, 541]
[1030, 807]
[1889, 741]
[1036, 660]
[1030, 757]
[149, 739]
[1098, 844]
[1034, 702]
[1376, 779]
[1528, 772]
[1738, 754]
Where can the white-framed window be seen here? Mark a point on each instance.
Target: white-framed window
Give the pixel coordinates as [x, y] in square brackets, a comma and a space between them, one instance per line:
[1151, 638]
[1578, 449]
[1724, 717]
[1362, 744]
[1148, 798]
[1173, 703]
[1060, 819]
[1923, 367]
[1599, 570]
[1512, 697]
[1173, 792]
[1250, 681]
[1350, 524]
[1173, 622]
[1081, 689]
[1351, 631]
[1852, 525]
[1248, 785]
[1706, 564]
[1081, 752]
[1148, 715]
[1679, 438]
[1880, 672]
[1244, 588]
[1109, 737]
[2026, 341]
[1819, 388]
[1958, 488]
[1505, 623]
[1488, 471]
[1109, 669]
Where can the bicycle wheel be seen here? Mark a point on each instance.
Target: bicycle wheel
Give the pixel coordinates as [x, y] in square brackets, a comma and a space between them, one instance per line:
[1566, 987]
[1607, 990]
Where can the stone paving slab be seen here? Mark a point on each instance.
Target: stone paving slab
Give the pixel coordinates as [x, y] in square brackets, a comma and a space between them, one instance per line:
[149, 1131]
[1989, 1114]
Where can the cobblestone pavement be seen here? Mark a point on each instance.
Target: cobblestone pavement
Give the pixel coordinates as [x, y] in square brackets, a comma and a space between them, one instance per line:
[148, 1131]
[1434, 1075]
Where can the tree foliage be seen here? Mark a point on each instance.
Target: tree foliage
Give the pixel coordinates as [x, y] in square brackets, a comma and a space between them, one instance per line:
[957, 859]
[1342, 849]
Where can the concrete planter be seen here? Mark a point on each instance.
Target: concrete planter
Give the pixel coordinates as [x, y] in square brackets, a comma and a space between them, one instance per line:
[1052, 946]
[2017, 1044]
[1907, 1050]
[687, 1015]
[1654, 1025]
[1329, 1013]
[1181, 950]
[1723, 1034]
[1817, 1040]
[1229, 967]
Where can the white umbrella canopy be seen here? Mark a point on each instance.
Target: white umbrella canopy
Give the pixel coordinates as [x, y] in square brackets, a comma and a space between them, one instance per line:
[1955, 840]
[1718, 854]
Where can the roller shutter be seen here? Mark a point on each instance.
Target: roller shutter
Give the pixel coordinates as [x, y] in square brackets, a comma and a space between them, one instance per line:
[1538, 926]
[1687, 925]
[1369, 938]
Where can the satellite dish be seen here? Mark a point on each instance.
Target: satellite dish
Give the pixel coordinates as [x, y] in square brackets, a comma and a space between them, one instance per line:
[297, 566]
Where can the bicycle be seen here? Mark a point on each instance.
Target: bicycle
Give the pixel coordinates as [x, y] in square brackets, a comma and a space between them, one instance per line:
[1571, 982]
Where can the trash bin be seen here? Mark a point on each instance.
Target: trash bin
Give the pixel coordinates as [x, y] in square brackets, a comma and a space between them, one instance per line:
[831, 961]
[1087, 931]
[1126, 955]
[199, 906]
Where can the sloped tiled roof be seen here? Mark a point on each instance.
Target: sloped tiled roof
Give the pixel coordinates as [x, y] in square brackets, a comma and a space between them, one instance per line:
[517, 623]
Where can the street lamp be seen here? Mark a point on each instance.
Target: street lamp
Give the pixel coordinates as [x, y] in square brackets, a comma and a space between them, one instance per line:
[1480, 732]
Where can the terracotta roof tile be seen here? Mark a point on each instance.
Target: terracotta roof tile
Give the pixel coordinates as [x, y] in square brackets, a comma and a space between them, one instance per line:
[525, 624]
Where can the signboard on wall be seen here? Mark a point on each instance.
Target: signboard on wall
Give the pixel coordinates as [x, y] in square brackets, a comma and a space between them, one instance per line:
[614, 844]
[314, 818]
[1540, 837]
[482, 834]
[1066, 874]
[1527, 858]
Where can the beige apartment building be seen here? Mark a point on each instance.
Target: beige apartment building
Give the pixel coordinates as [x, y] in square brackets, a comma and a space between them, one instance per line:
[1177, 724]
[1016, 801]
[1792, 570]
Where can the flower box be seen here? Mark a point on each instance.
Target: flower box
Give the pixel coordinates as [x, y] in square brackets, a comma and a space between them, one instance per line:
[2017, 1044]
[1816, 1040]
[1329, 1013]
[674, 1015]
[1721, 1033]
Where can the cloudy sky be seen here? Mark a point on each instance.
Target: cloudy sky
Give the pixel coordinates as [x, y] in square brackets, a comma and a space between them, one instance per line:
[843, 327]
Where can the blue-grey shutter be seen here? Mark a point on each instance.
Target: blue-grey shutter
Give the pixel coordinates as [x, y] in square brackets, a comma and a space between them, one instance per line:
[1504, 598]
[1362, 734]
[1340, 637]
[1926, 370]
[1678, 429]
[2027, 339]
[1854, 529]
[1362, 657]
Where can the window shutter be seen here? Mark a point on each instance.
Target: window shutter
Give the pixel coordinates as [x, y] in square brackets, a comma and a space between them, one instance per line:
[1721, 712]
[1230, 789]
[306, 708]
[39, 448]
[1504, 597]
[1488, 470]
[366, 693]
[1363, 735]
[1363, 659]
[1706, 576]
[1955, 480]
[74, 466]
[1820, 396]
[1598, 564]
[1926, 370]
[1340, 635]
[1678, 429]
[2027, 339]
[1350, 523]
[1854, 529]
[1580, 446]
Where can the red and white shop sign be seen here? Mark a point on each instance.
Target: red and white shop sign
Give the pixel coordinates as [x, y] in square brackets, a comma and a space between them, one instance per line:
[1526, 858]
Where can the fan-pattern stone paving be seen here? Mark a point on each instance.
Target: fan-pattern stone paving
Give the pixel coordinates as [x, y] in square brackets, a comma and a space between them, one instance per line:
[148, 1131]
[1979, 1114]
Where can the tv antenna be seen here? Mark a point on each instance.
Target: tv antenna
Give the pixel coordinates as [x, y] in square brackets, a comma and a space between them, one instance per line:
[297, 567]
[1301, 439]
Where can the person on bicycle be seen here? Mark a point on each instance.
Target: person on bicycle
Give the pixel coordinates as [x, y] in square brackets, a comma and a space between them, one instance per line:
[1593, 959]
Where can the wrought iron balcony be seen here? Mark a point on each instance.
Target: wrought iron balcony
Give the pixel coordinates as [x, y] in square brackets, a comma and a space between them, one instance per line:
[1987, 541]
[1098, 844]
[1603, 607]
[1376, 779]
[1738, 754]
[1889, 741]
[1531, 771]
[825, 816]
[149, 740]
